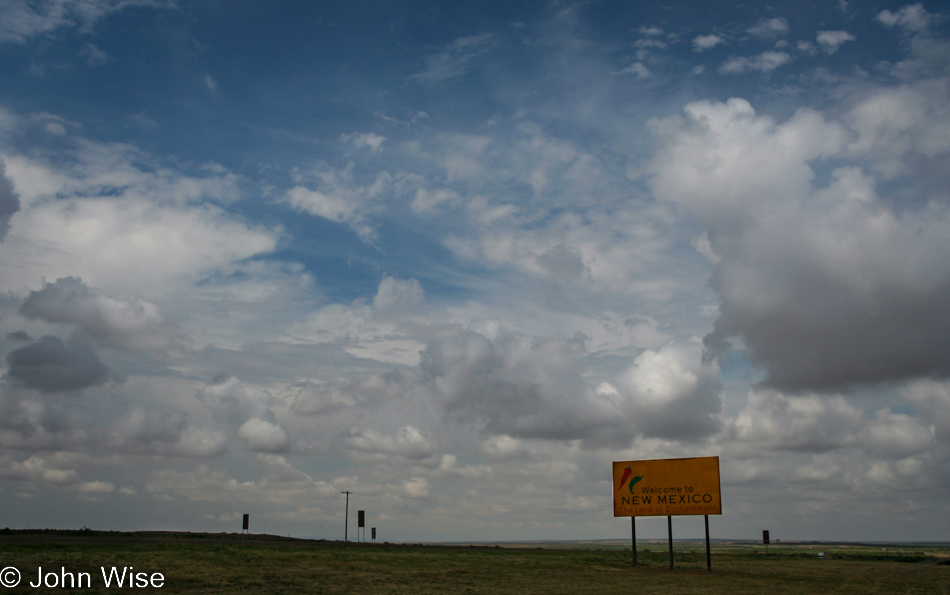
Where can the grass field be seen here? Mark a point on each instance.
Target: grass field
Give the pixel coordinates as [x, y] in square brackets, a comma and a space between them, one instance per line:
[207, 563]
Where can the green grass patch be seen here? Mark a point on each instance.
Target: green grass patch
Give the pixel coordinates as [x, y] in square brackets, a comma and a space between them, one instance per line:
[233, 564]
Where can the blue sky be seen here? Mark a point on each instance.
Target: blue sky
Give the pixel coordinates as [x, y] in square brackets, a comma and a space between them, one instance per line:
[457, 258]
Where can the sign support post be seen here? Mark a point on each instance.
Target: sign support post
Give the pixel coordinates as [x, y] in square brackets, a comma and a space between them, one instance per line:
[669, 528]
[708, 557]
[633, 537]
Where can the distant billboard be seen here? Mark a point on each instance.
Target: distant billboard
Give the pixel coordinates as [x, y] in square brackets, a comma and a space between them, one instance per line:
[667, 487]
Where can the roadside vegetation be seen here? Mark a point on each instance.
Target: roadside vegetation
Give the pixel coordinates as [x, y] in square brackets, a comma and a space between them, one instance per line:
[208, 563]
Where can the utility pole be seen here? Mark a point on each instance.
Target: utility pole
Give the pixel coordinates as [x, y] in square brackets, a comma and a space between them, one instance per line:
[346, 518]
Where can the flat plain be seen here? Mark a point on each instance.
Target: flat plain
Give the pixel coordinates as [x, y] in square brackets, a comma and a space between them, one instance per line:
[230, 563]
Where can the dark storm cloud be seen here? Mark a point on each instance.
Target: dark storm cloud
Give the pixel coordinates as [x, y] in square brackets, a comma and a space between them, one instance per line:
[517, 386]
[246, 408]
[50, 365]
[321, 399]
[828, 286]
[29, 424]
[527, 387]
[232, 402]
[46, 422]
[818, 335]
[9, 201]
[150, 427]
[106, 321]
[19, 336]
[166, 433]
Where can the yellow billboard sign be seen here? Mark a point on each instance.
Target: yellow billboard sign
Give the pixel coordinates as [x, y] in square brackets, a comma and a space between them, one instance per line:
[667, 487]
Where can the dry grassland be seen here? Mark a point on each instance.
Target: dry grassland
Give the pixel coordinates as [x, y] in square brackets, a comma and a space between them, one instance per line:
[228, 564]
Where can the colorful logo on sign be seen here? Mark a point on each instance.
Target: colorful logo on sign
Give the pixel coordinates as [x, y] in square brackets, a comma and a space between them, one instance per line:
[633, 482]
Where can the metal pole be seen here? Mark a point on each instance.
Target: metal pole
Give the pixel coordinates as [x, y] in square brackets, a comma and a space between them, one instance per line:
[346, 517]
[633, 537]
[708, 557]
[669, 527]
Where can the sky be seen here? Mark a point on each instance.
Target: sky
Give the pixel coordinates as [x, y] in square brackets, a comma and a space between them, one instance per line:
[458, 257]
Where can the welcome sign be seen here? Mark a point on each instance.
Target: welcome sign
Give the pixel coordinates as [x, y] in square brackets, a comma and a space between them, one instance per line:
[667, 487]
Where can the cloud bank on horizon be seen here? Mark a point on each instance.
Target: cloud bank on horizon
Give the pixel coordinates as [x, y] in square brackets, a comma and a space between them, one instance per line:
[458, 262]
